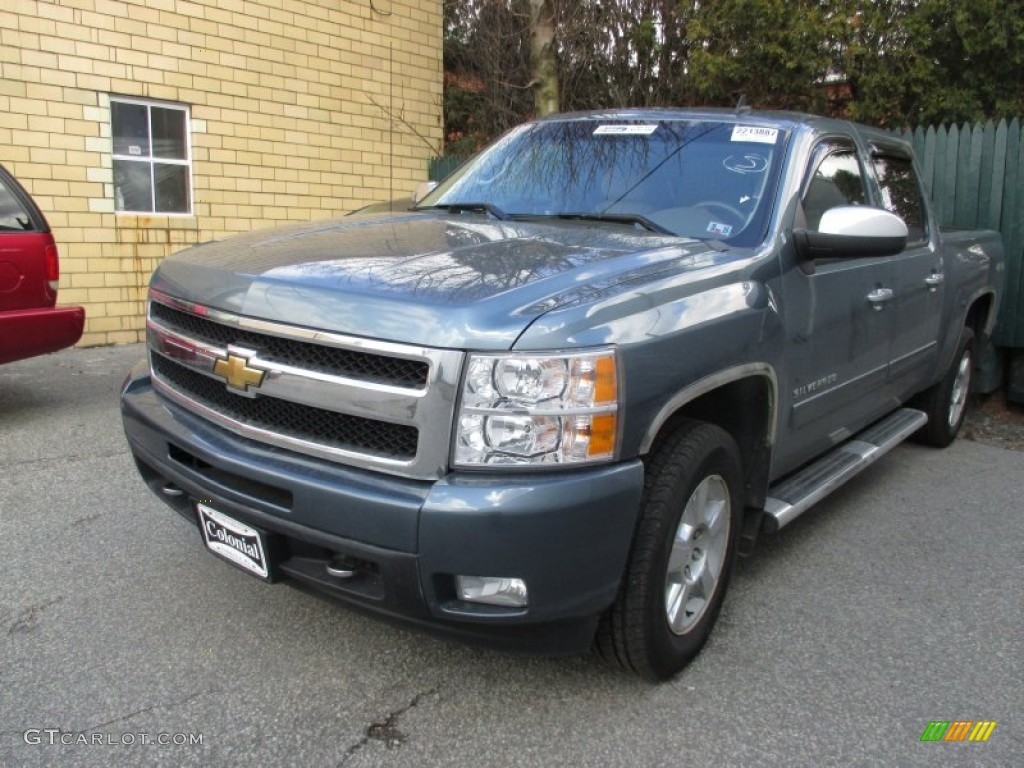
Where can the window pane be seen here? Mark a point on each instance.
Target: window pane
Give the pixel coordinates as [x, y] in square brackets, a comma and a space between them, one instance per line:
[12, 215]
[132, 187]
[169, 133]
[131, 132]
[837, 181]
[171, 188]
[902, 194]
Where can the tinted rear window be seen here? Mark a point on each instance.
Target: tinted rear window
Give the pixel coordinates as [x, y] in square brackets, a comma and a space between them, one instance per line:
[13, 215]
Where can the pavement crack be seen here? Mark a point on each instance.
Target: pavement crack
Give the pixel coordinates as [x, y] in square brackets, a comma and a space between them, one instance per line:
[150, 708]
[69, 458]
[27, 620]
[86, 519]
[387, 731]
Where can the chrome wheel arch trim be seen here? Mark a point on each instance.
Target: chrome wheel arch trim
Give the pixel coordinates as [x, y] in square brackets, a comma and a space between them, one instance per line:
[709, 384]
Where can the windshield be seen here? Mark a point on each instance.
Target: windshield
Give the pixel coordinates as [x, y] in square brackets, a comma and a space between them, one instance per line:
[699, 179]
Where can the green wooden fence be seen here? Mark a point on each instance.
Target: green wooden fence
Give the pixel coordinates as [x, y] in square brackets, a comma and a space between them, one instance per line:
[976, 177]
[442, 165]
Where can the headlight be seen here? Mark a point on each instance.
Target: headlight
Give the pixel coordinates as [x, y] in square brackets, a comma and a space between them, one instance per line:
[538, 409]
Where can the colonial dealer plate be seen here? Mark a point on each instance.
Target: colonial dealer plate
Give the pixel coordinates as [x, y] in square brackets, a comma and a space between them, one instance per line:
[233, 540]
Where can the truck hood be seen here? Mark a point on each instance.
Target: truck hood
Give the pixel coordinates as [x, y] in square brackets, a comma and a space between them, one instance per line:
[447, 280]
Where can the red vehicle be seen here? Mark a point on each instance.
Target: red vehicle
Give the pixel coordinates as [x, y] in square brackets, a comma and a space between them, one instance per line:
[30, 323]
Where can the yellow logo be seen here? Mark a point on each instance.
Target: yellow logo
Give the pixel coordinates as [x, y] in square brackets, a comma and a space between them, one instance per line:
[236, 371]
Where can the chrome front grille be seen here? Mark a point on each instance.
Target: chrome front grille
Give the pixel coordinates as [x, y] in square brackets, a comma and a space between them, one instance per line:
[371, 404]
[293, 352]
[329, 428]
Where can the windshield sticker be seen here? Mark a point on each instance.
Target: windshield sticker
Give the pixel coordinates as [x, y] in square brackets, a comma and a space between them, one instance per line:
[625, 130]
[755, 134]
[717, 228]
[746, 163]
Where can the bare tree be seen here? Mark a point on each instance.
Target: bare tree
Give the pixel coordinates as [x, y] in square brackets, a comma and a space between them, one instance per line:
[542, 54]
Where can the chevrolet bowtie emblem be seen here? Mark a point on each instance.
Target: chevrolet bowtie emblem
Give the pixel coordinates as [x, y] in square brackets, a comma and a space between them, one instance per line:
[236, 371]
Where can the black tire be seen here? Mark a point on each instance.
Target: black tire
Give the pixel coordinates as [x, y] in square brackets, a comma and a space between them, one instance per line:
[635, 633]
[946, 402]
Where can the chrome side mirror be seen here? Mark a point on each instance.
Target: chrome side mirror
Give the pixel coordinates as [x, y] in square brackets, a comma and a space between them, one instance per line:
[852, 231]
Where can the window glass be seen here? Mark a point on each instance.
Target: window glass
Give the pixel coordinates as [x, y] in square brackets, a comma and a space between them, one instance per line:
[12, 214]
[837, 181]
[901, 193]
[691, 178]
[169, 133]
[152, 167]
[171, 184]
[129, 128]
[133, 190]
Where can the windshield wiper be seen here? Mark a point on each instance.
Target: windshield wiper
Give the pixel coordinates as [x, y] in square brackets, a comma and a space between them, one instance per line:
[494, 210]
[621, 218]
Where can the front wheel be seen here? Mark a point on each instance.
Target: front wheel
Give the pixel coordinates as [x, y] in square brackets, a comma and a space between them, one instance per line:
[682, 555]
[946, 402]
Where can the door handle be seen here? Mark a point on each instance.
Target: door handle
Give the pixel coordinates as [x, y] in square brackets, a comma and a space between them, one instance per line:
[934, 280]
[879, 297]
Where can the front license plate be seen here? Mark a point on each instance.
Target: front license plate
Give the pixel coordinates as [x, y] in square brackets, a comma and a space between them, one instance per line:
[233, 540]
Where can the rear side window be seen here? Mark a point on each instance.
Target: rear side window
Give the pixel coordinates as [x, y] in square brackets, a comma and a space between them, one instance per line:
[13, 216]
[901, 193]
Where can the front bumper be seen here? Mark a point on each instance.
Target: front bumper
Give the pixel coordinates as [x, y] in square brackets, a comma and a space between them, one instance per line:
[567, 534]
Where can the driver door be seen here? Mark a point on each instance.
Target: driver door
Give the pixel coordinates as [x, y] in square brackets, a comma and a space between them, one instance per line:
[838, 321]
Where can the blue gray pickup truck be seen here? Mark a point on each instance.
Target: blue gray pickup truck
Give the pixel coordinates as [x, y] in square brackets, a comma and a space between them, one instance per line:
[548, 406]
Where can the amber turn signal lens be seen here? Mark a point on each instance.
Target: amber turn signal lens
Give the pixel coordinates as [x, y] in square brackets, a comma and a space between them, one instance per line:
[605, 381]
[602, 436]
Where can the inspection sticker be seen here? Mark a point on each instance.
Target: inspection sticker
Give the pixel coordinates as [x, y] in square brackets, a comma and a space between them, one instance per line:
[755, 133]
[625, 130]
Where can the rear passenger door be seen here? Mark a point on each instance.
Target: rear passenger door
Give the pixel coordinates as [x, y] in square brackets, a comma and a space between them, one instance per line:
[918, 275]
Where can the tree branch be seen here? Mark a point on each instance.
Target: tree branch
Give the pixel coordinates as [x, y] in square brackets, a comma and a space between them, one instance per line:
[395, 117]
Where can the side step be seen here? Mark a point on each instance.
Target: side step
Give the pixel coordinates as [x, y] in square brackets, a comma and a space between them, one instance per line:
[797, 493]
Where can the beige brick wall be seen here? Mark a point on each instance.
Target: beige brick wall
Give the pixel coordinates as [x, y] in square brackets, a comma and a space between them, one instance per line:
[300, 110]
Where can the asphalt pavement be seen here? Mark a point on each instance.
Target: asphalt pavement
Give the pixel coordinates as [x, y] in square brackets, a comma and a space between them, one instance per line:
[896, 602]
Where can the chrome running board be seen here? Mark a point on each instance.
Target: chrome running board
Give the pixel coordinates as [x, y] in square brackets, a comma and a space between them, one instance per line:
[797, 493]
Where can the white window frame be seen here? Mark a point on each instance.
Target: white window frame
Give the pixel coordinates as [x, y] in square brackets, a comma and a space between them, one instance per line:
[151, 161]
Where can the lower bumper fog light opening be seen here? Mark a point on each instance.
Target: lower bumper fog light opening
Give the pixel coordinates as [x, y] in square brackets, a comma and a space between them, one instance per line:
[492, 590]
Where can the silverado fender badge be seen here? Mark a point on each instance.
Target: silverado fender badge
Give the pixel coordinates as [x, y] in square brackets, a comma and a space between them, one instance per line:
[237, 373]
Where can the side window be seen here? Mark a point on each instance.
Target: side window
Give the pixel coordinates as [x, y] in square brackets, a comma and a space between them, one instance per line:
[12, 215]
[837, 180]
[901, 193]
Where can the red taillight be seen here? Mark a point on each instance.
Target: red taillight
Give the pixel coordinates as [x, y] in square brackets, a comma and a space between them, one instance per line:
[52, 267]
